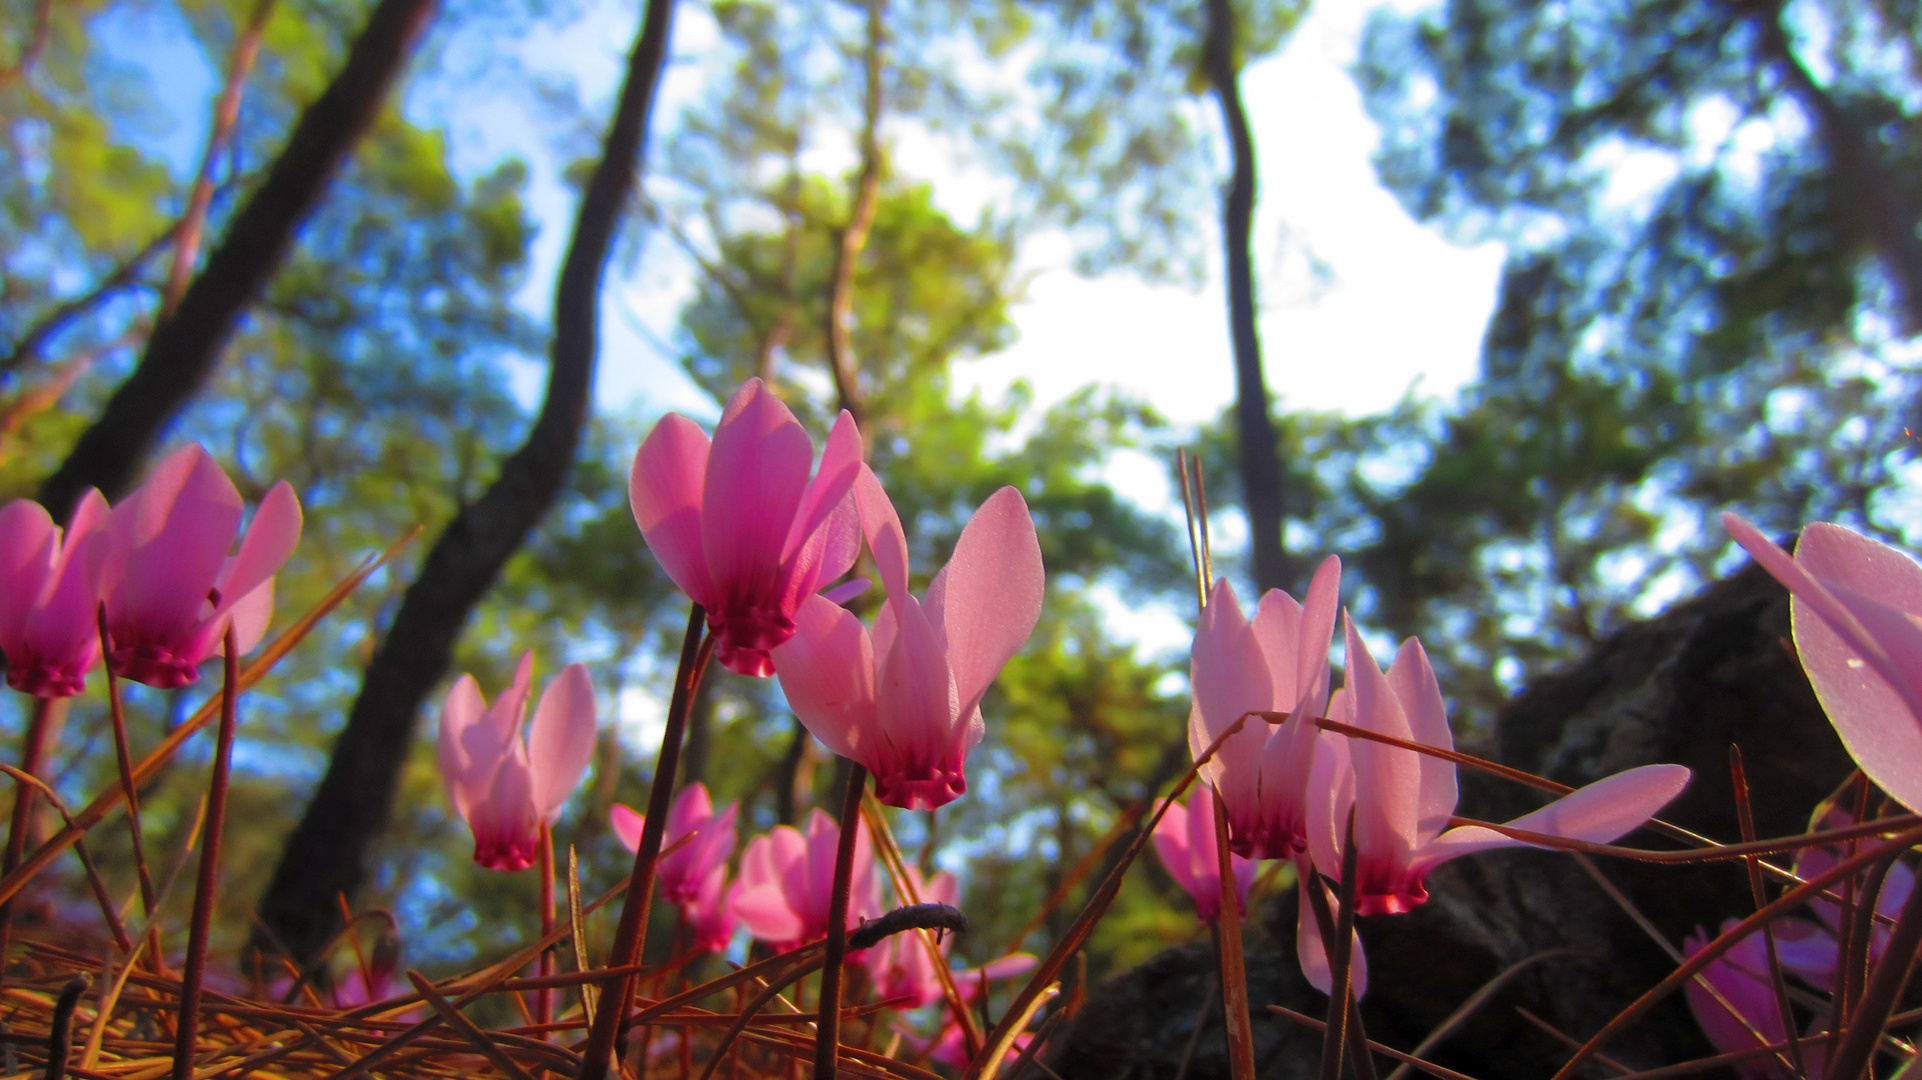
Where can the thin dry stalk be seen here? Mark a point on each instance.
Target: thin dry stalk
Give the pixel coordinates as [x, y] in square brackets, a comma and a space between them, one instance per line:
[1745, 818]
[208, 884]
[1795, 897]
[1234, 973]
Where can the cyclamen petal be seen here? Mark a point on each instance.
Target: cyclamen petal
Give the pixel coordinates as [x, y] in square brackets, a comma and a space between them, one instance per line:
[782, 894]
[1857, 616]
[48, 628]
[509, 789]
[1276, 663]
[738, 525]
[1185, 841]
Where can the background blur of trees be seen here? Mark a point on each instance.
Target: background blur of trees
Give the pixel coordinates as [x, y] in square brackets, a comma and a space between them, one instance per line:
[1733, 328]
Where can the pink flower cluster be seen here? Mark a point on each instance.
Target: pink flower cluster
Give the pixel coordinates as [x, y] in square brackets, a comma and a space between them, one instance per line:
[162, 567]
[738, 524]
[1290, 790]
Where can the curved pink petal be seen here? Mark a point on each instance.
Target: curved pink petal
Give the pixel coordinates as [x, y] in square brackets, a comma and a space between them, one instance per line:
[627, 825]
[840, 465]
[1312, 952]
[690, 809]
[1228, 674]
[1597, 813]
[466, 780]
[764, 912]
[1387, 778]
[270, 542]
[1868, 678]
[827, 672]
[1277, 624]
[29, 546]
[757, 472]
[1420, 695]
[507, 828]
[665, 491]
[1875, 716]
[1171, 844]
[1317, 630]
[251, 615]
[846, 591]
[987, 599]
[560, 742]
[171, 538]
[886, 538]
[918, 761]
[1740, 976]
[1331, 787]
[510, 710]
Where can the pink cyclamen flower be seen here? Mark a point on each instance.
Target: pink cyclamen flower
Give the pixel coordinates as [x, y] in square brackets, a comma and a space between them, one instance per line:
[1402, 800]
[166, 577]
[900, 964]
[1277, 662]
[693, 872]
[906, 701]
[1741, 977]
[738, 525]
[509, 789]
[1857, 615]
[787, 880]
[684, 867]
[1810, 949]
[1185, 840]
[48, 626]
[949, 1046]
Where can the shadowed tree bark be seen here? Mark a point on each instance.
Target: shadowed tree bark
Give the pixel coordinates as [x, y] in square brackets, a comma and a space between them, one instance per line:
[184, 349]
[326, 855]
[1874, 206]
[1255, 432]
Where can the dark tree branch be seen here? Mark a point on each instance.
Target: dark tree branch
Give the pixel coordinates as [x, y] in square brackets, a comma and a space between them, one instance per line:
[850, 241]
[1871, 205]
[123, 277]
[219, 133]
[326, 855]
[36, 43]
[1260, 463]
[182, 354]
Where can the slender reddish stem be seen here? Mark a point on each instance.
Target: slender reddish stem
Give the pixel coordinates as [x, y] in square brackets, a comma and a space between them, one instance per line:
[543, 999]
[208, 884]
[827, 1042]
[123, 758]
[33, 753]
[630, 936]
[1228, 955]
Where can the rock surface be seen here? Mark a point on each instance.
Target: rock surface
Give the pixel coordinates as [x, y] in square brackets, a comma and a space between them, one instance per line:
[1681, 687]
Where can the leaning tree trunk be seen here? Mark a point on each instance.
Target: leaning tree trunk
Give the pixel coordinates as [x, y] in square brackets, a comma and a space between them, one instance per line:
[326, 855]
[1713, 671]
[1261, 480]
[185, 348]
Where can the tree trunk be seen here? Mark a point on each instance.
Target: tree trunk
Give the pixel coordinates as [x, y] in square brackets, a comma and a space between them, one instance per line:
[185, 348]
[847, 250]
[326, 855]
[1872, 206]
[1261, 480]
[1679, 688]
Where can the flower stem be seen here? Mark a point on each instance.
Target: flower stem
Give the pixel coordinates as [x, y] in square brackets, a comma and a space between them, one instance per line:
[33, 753]
[1228, 955]
[208, 883]
[827, 1043]
[123, 757]
[630, 937]
[543, 999]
